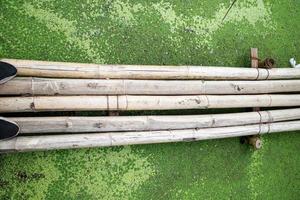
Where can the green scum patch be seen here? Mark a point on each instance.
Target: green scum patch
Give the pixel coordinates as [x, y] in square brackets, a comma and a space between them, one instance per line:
[111, 173]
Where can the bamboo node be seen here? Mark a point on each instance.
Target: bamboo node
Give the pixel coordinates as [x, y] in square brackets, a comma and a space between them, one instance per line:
[118, 102]
[107, 102]
[98, 72]
[188, 72]
[270, 101]
[270, 117]
[124, 87]
[126, 102]
[208, 104]
[32, 86]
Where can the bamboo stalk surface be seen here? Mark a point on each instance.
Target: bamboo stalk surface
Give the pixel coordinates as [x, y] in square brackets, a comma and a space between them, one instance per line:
[130, 102]
[98, 71]
[50, 86]
[69, 141]
[43, 125]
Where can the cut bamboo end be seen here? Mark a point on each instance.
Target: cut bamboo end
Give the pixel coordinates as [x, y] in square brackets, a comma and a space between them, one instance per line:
[78, 70]
[50, 142]
[42, 125]
[50, 86]
[255, 141]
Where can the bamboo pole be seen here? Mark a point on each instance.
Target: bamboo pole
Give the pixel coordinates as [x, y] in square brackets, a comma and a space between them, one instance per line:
[130, 102]
[42, 125]
[49, 86]
[50, 142]
[79, 70]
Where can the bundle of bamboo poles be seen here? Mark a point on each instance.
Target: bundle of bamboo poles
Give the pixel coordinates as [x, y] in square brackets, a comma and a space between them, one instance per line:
[55, 86]
[48, 142]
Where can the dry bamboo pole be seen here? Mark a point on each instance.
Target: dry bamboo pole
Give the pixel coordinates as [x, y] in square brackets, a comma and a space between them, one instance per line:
[42, 125]
[255, 141]
[50, 142]
[130, 102]
[79, 70]
[49, 86]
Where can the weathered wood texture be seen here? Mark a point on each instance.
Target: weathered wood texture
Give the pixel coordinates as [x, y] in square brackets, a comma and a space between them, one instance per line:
[49, 86]
[130, 102]
[42, 125]
[33, 143]
[79, 70]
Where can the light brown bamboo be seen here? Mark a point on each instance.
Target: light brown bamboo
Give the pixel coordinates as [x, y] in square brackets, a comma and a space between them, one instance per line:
[130, 102]
[50, 142]
[255, 141]
[42, 125]
[79, 70]
[49, 86]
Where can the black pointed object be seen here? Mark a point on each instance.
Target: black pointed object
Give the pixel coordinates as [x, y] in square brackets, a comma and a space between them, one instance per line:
[7, 72]
[8, 129]
[229, 9]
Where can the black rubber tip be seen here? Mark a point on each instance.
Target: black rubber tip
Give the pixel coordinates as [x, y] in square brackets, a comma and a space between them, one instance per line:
[7, 71]
[8, 129]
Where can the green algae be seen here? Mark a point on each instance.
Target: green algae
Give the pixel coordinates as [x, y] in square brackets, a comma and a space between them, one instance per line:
[249, 12]
[154, 32]
[23, 178]
[98, 174]
[255, 173]
[124, 12]
[68, 28]
[104, 173]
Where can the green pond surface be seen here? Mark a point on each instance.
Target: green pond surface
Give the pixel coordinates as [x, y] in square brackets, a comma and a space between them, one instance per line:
[177, 32]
